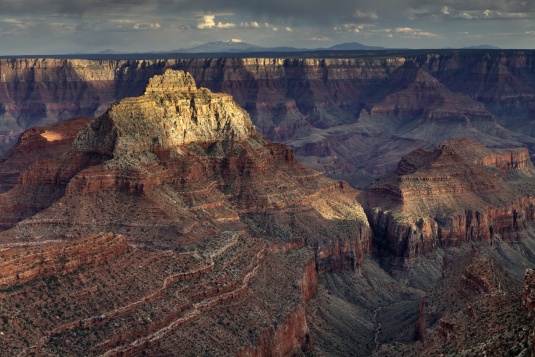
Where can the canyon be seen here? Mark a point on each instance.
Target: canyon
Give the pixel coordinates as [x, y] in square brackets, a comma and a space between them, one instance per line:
[353, 118]
[170, 223]
[139, 238]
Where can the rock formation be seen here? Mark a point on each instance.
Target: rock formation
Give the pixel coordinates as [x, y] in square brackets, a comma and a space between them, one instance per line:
[459, 192]
[528, 295]
[220, 243]
[36, 144]
[216, 235]
[19, 266]
[351, 117]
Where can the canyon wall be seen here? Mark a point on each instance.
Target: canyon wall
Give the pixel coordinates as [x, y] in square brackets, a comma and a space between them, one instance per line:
[457, 193]
[219, 233]
[528, 295]
[341, 116]
[240, 229]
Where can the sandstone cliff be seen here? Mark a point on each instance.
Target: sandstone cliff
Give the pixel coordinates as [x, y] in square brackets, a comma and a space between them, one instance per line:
[36, 144]
[528, 295]
[353, 118]
[217, 235]
[457, 193]
[225, 233]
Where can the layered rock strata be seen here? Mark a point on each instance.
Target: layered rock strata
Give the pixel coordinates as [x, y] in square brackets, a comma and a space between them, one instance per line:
[528, 294]
[37, 144]
[457, 193]
[352, 117]
[224, 235]
[21, 265]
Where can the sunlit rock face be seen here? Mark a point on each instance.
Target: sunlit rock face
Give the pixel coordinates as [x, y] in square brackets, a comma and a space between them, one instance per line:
[458, 192]
[138, 239]
[353, 118]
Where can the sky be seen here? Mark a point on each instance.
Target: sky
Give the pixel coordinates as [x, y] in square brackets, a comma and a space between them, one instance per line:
[30, 27]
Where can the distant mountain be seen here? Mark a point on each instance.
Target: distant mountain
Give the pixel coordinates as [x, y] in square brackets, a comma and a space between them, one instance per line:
[237, 46]
[482, 47]
[354, 46]
[109, 51]
[223, 47]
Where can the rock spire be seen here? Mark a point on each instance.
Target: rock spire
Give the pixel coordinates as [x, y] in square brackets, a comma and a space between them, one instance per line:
[172, 112]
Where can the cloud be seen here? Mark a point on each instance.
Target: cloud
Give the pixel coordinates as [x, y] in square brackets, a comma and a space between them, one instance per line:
[115, 25]
[208, 22]
[226, 25]
[410, 32]
[179, 23]
[252, 24]
[468, 13]
[19, 27]
[151, 26]
[405, 32]
[257, 25]
[351, 27]
[362, 15]
[282, 12]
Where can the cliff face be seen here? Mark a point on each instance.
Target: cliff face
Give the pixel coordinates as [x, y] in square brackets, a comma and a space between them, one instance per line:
[171, 113]
[457, 193]
[225, 232]
[528, 295]
[278, 93]
[60, 258]
[490, 78]
[217, 234]
[341, 115]
[36, 144]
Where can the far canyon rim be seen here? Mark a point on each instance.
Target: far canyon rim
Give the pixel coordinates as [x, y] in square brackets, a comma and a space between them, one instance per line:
[351, 117]
[201, 205]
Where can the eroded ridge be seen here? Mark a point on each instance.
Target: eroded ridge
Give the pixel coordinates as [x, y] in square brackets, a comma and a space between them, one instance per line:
[458, 192]
[215, 232]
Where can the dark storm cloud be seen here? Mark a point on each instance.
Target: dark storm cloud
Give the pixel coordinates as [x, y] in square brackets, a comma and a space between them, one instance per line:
[321, 11]
[66, 7]
[140, 25]
[299, 11]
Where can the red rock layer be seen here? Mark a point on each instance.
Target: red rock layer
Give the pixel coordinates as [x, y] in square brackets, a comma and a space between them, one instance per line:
[36, 144]
[292, 335]
[238, 227]
[480, 275]
[412, 92]
[528, 294]
[451, 195]
[19, 265]
[347, 117]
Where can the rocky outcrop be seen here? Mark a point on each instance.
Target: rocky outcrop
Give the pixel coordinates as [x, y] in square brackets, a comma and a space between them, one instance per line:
[20, 265]
[528, 294]
[228, 233]
[293, 334]
[284, 340]
[489, 77]
[171, 113]
[480, 275]
[279, 94]
[456, 193]
[412, 92]
[353, 118]
[36, 144]
[421, 325]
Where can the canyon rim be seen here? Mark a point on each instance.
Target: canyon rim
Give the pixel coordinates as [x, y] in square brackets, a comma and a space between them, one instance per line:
[268, 206]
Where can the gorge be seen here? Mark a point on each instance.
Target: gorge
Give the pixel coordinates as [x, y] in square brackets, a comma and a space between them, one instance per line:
[207, 238]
